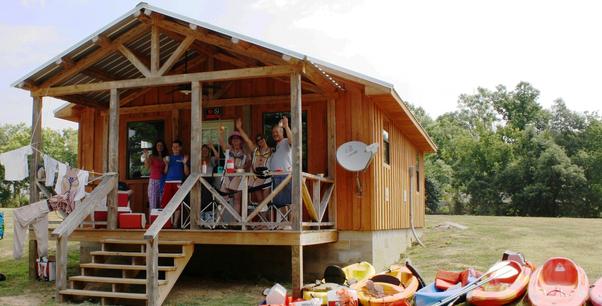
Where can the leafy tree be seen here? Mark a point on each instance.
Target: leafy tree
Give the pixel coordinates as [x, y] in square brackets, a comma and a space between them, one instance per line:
[62, 145]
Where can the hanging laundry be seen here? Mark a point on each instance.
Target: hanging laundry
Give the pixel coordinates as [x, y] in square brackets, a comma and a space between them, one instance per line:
[50, 167]
[70, 187]
[36, 215]
[15, 163]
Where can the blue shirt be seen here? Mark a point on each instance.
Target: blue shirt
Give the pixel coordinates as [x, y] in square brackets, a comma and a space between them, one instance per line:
[175, 168]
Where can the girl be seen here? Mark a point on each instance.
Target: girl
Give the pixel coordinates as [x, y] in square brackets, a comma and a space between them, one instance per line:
[154, 162]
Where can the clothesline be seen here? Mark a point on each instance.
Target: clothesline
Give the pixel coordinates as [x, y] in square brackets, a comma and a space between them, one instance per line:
[95, 173]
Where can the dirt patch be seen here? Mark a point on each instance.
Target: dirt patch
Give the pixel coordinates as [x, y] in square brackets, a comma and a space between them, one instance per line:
[20, 300]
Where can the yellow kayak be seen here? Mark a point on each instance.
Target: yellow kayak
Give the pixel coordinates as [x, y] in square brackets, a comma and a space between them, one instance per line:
[358, 272]
[398, 286]
[319, 291]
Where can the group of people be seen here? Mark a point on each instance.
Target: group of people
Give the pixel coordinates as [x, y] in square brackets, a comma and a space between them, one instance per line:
[168, 171]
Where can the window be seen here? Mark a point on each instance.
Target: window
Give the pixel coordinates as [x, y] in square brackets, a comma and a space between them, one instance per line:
[141, 134]
[417, 173]
[271, 119]
[386, 148]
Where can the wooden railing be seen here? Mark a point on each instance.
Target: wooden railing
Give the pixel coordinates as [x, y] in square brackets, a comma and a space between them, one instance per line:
[317, 199]
[152, 237]
[72, 221]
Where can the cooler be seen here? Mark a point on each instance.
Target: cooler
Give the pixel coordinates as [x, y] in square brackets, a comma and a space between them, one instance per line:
[154, 214]
[132, 220]
[123, 198]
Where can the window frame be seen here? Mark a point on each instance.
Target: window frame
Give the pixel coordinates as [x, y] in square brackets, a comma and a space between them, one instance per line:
[128, 172]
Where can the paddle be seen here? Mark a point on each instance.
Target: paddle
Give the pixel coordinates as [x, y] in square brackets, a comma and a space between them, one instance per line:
[504, 272]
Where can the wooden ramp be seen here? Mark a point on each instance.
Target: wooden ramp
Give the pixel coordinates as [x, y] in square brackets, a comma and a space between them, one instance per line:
[117, 273]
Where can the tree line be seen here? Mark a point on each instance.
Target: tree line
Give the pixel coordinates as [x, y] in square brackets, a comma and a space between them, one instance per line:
[61, 145]
[501, 153]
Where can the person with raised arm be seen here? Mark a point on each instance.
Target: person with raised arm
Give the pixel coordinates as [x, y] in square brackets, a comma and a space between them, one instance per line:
[282, 161]
[234, 153]
[259, 163]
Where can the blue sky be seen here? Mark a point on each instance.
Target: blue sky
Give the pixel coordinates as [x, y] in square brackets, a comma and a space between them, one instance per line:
[432, 51]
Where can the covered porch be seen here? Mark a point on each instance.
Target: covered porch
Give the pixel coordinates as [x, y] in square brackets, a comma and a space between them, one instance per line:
[190, 68]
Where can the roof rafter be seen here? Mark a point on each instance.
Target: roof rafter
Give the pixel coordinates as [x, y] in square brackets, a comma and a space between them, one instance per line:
[95, 56]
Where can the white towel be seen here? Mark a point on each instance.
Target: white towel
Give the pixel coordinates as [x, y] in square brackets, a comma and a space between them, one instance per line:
[15, 163]
[50, 166]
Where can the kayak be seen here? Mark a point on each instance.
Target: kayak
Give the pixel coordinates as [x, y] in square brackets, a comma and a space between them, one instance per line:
[358, 272]
[446, 284]
[502, 291]
[595, 293]
[395, 286]
[558, 282]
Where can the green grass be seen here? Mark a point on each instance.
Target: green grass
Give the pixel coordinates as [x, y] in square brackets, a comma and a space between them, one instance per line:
[479, 246]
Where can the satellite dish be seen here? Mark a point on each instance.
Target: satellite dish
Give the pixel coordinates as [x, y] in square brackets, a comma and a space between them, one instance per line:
[356, 156]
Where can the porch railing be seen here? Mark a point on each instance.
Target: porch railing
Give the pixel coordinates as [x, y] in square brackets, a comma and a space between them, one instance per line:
[73, 221]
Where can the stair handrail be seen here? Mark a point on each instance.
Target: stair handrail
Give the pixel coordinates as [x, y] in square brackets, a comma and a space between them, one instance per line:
[86, 207]
[153, 231]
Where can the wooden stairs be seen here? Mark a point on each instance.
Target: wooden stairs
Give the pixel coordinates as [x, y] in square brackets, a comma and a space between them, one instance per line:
[117, 273]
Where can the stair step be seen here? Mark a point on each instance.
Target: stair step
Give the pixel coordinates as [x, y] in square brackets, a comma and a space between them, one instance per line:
[123, 267]
[134, 254]
[133, 241]
[112, 280]
[119, 295]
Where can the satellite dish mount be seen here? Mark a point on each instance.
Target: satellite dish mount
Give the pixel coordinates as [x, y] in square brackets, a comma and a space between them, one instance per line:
[356, 156]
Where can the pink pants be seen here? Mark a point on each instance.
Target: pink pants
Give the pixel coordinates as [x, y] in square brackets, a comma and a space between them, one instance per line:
[36, 215]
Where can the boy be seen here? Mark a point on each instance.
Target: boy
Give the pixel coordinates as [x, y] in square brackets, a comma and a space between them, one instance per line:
[176, 169]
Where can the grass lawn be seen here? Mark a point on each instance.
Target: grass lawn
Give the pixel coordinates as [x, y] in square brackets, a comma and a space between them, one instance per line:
[479, 246]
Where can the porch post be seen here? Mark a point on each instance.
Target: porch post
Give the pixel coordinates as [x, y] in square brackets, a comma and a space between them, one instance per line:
[296, 128]
[34, 191]
[113, 157]
[196, 143]
[332, 156]
[297, 269]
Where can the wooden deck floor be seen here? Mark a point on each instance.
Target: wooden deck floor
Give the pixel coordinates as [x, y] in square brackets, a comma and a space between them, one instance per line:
[221, 237]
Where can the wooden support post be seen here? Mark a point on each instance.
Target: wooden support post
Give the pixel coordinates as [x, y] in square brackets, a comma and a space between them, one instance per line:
[296, 128]
[34, 191]
[152, 271]
[105, 142]
[155, 57]
[113, 157]
[62, 252]
[332, 156]
[244, 210]
[297, 269]
[196, 143]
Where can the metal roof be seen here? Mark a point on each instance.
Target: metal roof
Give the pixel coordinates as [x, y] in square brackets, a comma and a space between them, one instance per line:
[128, 21]
[116, 66]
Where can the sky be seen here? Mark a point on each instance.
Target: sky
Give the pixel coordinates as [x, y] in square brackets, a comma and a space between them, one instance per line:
[431, 51]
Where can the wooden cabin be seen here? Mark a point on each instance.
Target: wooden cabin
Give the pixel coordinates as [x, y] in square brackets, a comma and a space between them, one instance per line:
[153, 74]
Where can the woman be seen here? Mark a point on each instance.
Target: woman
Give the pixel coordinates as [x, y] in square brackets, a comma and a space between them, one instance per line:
[235, 152]
[154, 162]
[259, 161]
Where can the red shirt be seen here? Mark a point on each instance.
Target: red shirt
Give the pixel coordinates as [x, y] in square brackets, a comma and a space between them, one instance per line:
[156, 168]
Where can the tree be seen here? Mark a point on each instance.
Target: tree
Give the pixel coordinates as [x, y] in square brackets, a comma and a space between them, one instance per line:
[62, 145]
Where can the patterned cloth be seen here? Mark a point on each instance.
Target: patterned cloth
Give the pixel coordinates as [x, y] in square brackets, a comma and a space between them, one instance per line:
[154, 193]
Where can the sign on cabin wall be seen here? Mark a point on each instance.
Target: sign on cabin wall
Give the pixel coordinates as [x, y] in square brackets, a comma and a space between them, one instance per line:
[213, 113]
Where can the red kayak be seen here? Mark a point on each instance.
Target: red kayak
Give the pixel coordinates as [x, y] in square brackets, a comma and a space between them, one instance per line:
[558, 282]
[595, 294]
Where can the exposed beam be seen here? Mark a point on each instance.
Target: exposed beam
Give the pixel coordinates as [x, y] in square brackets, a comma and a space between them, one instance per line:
[134, 60]
[155, 58]
[222, 42]
[179, 69]
[219, 103]
[81, 100]
[95, 56]
[314, 75]
[221, 75]
[176, 55]
[100, 74]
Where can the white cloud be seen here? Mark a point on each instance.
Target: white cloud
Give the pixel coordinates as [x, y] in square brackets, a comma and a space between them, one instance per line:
[33, 3]
[28, 45]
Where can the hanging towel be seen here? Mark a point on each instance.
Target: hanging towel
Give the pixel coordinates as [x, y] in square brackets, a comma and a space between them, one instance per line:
[50, 167]
[15, 163]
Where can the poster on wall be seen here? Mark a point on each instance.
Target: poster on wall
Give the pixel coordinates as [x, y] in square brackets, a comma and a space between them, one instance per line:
[213, 113]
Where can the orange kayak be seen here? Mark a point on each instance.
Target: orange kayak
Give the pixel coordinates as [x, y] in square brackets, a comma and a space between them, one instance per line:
[558, 282]
[502, 291]
[398, 284]
[595, 293]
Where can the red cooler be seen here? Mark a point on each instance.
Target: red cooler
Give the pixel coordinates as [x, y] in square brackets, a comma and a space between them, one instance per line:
[132, 220]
